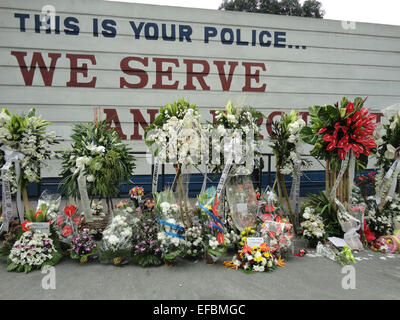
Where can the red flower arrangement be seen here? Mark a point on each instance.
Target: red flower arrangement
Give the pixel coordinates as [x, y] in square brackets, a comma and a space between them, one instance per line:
[354, 132]
[335, 130]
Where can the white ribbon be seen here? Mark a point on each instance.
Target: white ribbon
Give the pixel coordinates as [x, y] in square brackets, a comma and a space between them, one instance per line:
[392, 173]
[10, 157]
[294, 197]
[345, 163]
[85, 202]
[228, 150]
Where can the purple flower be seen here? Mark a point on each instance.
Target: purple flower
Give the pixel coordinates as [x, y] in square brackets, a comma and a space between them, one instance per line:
[137, 246]
[143, 242]
[143, 250]
[157, 250]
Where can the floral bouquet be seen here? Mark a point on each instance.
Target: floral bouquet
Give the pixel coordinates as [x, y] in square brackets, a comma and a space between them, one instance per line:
[146, 246]
[52, 202]
[179, 121]
[287, 147]
[136, 193]
[215, 235]
[97, 162]
[33, 250]
[276, 231]
[258, 258]
[241, 125]
[387, 154]
[25, 134]
[171, 231]
[194, 242]
[176, 137]
[381, 221]
[83, 246]
[116, 244]
[336, 130]
[313, 226]
[67, 224]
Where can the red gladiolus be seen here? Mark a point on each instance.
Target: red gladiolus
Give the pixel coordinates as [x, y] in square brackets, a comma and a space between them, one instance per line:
[322, 130]
[70, 210]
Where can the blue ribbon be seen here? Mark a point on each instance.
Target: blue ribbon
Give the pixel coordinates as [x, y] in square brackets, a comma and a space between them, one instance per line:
[210, 214]
[174, 226]
[213, 225]
[175, 235]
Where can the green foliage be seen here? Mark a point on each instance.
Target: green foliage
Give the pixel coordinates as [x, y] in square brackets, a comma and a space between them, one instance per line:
[115, 165]
[328, 213]
[310, 8]
[146, 260]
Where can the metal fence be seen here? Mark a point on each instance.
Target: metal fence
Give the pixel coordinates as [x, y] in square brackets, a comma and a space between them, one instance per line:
[263, 176]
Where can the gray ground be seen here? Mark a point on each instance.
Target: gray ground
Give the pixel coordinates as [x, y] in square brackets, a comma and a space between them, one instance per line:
[303, 278]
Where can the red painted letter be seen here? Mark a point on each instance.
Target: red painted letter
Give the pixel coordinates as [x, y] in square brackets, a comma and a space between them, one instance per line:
[139, 119]
[112, 116]
[190, 74]
[75, 69]
[167, 73]
[134, 72]
[226, 81]
[255, 76]
[37, 59]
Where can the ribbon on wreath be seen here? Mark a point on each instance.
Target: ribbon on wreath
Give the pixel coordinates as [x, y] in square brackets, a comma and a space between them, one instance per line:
[349, 161]
[228, 150]
[294, 197]
[10, 157]
[85, 201]
[391, 174]
[217, 224]
[173, 226]
[351, 236]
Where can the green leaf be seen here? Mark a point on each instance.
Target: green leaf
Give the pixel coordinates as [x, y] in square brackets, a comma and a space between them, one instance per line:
[329, 114]
[308, 136]
[12, 266]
